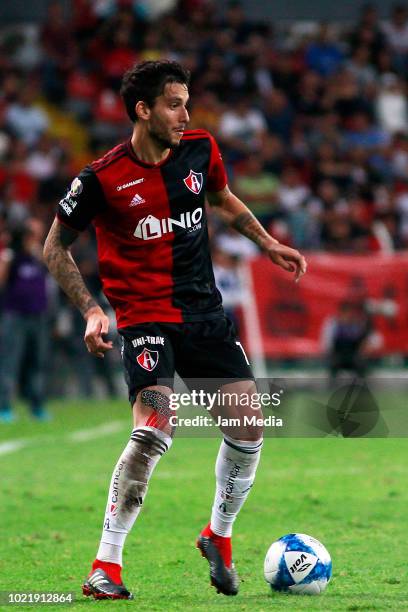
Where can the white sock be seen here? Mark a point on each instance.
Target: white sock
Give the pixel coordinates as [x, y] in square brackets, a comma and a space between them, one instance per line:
[235, 473]
[128, 489]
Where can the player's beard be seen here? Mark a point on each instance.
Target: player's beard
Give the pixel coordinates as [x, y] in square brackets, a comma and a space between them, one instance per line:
[159, 133]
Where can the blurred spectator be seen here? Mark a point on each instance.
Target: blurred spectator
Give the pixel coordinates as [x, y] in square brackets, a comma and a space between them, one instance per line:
[401, 205]
[262, 71]
[84, 20]
[273, 154]
[152, 45]
[308, 99]
[330, 165]
[215, 78]
[324, 55]
[20, 188]
[364, 134]
[82, 89]
[368, 33]
[327, 130]
[228, 282]
[235, 244]
[42, 162]
[327, 198]
[392, 108]
[396, 33]
[25, 118]
[347, 97]
[206, 113]
[237, 22]
[258, 189]
[242, 128]
[338, 234]
[279, 115]
[292, 191]
[118, 57]
[346, 340]
[285, 73]
[360, 66]
[399, 158]
[24, 322]
[59, 51]
[109, 121]
[52, 188]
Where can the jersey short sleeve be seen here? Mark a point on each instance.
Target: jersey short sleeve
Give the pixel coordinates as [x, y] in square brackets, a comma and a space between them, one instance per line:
[217, 176]
[82, 202]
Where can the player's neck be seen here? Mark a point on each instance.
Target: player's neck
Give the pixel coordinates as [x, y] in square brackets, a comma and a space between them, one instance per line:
[146, 149]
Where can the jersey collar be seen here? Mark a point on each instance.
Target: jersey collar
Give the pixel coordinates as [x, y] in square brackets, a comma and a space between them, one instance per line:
[135, 158]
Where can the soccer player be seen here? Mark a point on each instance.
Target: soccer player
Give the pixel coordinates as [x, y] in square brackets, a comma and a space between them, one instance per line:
[146, 199]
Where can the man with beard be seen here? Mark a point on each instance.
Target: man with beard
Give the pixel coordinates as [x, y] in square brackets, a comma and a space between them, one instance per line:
[146, 199]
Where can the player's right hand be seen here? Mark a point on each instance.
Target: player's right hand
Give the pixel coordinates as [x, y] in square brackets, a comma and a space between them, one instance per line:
[97, 324]
[287, 258]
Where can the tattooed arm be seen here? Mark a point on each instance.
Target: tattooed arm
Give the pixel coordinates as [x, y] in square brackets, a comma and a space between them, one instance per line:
[234, 212]
[58, 258]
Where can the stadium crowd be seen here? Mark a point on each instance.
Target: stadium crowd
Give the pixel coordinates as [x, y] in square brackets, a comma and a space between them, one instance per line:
[312, 120]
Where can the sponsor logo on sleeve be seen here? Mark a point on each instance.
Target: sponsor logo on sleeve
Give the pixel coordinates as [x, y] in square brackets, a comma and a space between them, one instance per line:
[68, 203]
[76, 188]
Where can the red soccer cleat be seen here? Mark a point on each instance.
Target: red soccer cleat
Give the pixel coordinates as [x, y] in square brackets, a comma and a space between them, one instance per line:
[104, 582]
[218, 552]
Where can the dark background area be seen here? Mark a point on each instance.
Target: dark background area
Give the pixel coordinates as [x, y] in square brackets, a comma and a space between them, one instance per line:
[19, 10]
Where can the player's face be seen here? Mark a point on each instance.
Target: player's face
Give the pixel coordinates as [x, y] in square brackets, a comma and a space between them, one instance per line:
[169, 116]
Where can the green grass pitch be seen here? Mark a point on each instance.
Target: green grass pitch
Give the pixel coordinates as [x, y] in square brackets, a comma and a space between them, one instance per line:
[349, 493]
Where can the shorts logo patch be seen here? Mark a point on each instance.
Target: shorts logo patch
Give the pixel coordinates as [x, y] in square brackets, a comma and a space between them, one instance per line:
[194, 181]
[148, 359]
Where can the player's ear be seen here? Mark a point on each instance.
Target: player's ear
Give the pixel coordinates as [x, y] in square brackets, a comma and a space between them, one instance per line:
[142, 110]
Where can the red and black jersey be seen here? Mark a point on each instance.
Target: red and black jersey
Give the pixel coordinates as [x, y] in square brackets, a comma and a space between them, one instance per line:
[151, 228]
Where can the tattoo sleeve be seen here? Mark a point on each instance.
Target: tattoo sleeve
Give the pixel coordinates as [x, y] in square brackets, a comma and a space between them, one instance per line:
[236, 214]
[248, 225]
[63, 268]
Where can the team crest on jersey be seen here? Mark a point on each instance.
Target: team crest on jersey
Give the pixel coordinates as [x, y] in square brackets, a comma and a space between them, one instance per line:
[148, 359]
[194, 181]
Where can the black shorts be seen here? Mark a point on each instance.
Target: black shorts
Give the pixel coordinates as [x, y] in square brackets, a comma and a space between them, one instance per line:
[199, 350]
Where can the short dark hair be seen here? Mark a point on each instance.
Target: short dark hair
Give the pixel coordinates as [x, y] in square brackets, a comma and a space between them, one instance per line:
[147, 80]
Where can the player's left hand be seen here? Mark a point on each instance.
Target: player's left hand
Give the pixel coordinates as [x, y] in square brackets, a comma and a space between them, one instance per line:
[287, 258]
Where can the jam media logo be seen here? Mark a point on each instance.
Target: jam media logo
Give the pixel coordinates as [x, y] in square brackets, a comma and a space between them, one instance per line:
[148, 359]
[194, 181]
[151, 227]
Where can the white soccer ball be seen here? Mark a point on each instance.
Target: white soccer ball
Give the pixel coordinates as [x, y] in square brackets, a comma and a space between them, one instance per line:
[298, 563]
